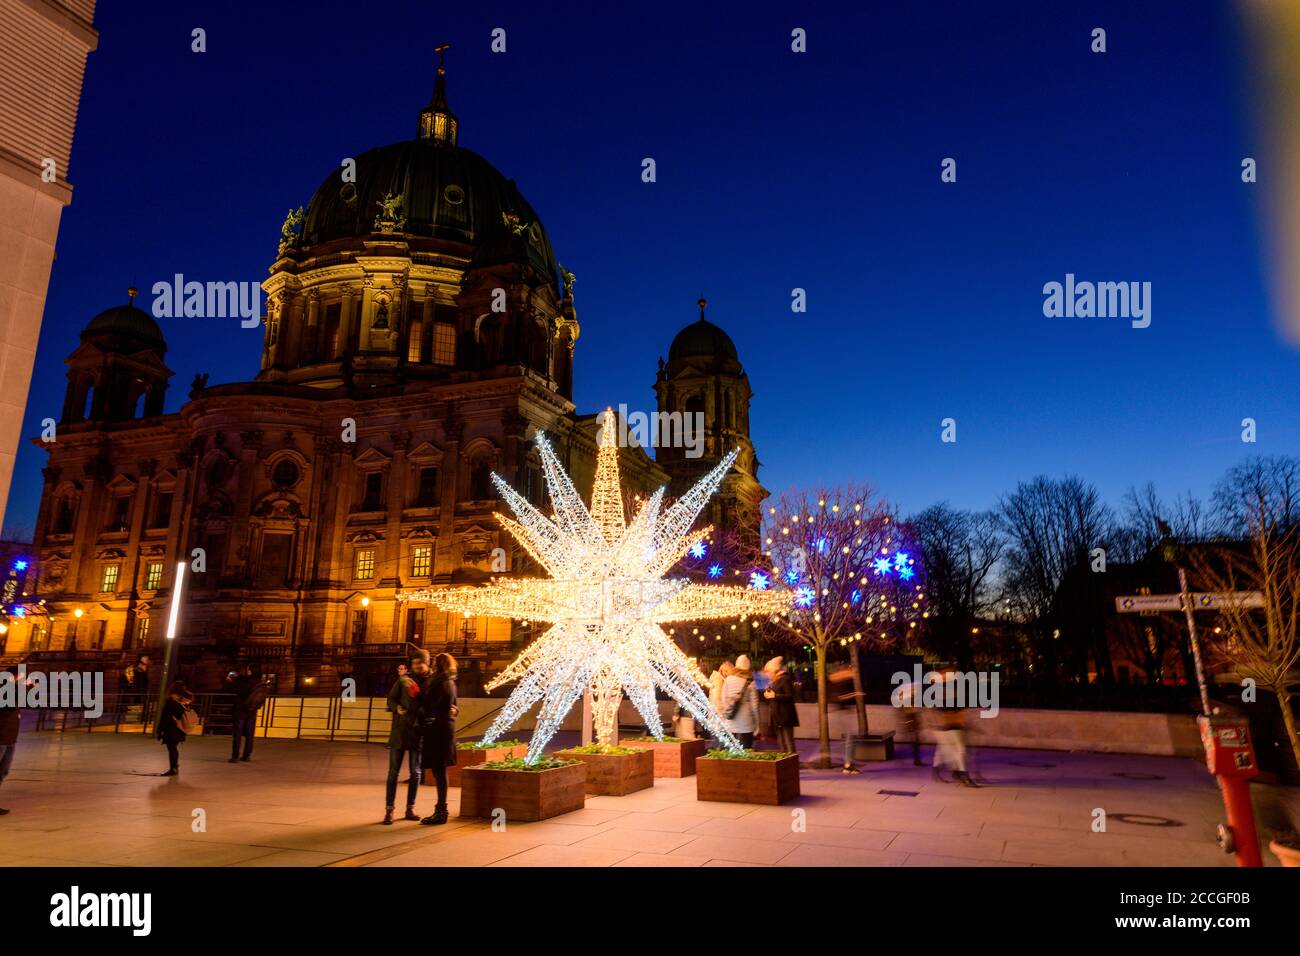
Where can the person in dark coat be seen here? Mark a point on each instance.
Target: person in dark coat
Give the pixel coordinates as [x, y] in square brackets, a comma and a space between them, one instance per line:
[168, 729]
[438, 716]
[10, 718]
[243, 714]
[780, 698]
[404, 702]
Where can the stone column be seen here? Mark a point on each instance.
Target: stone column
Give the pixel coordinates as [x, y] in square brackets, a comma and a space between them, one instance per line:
[311, 354]
[346, 309]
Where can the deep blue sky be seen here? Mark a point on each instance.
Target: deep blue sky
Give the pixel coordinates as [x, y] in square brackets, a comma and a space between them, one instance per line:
[775, 170]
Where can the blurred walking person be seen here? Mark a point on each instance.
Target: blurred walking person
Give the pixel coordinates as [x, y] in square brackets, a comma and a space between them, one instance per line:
[906, 699]
[950, 737]
[438, 716]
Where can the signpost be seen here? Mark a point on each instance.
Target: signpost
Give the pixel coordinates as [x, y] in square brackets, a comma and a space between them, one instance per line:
[1220, 735]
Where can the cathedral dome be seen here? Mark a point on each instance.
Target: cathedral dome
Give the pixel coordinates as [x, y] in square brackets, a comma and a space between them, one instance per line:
[444, 192]
[129, 322]
[702, 338]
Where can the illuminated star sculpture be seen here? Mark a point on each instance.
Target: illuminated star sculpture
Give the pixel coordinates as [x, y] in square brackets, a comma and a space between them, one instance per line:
[605, 601]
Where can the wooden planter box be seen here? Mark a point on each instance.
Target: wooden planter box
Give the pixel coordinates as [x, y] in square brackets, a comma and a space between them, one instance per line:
[747, 781]
[524, 795]
[672, 759]
[615, 775]
[470, 758]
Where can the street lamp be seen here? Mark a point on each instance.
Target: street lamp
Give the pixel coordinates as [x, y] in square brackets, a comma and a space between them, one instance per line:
[173, 615]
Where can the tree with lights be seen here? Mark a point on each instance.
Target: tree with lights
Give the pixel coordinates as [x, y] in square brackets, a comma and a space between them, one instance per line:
[606, 600]
[853, 575]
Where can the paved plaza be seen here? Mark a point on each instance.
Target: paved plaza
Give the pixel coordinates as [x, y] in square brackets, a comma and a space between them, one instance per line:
[90, 800]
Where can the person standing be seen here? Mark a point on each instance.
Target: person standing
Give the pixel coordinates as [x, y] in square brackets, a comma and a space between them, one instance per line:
[740, 703]
[140, 687]
[438, 716]
[404, 701]
[249, 697]
[780, 695]
[176, 715]
[10, 718]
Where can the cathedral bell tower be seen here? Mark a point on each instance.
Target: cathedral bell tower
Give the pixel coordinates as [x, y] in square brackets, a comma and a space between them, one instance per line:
[117, 373]
[704, 382]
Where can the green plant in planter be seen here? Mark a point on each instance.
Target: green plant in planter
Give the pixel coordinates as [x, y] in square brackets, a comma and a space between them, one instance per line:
[479, 745]
[720, 754]
[659, 740]
[517, 763]
[608, 750]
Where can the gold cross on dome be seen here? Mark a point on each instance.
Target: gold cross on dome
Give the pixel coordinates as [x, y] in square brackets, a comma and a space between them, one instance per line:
[441, 49]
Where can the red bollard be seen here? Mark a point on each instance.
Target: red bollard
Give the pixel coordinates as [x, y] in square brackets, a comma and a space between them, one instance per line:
[1230, 757]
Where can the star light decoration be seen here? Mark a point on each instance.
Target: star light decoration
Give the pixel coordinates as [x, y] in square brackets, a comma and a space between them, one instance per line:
[605, 601]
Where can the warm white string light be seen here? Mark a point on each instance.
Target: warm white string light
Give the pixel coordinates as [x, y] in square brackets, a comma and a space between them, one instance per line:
[604, 601]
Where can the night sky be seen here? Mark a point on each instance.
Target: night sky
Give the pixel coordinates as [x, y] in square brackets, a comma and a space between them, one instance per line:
[775, 170]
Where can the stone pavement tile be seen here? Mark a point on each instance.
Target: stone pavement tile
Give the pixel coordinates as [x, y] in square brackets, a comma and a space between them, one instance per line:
[478, 849]
[1013, 817]
[647, 841]
[813, 816]
[181, 853]
[352, 840]
[75, 846]
[661, 859]
[939, 844]
[709, 808]
[903, 808]
[665, 821]
[292, 858]
[1062, 854]
[1037, 834]
[566, 856]
[925, 859]
[1149, 851]
[843, 836]
[556, 832]
[590, 817]
[815, 855]
[745, 828]
[742, 851]
[732, 863]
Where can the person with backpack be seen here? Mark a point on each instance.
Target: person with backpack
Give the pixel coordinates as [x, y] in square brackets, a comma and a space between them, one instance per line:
[438, 717]
[739, 709]
[250, 695]
[405, 701]
[176, 721]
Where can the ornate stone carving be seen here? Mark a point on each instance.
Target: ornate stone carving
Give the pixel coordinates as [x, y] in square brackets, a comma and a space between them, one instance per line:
[290, 230]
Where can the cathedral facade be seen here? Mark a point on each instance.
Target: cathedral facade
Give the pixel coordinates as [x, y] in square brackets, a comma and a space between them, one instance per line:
[419, 332]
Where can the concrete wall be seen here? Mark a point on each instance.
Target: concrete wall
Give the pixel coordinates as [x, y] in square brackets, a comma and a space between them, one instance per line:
[1100, 731]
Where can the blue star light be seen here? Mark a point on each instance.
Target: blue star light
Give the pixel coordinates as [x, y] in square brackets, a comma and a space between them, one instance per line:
[906, 573]
[856, 596]
[715, 570]
[804, 597]
[758, 581]
[20, 565]
[882, 565]
[900, 560]
[792, 577]
[698, 549]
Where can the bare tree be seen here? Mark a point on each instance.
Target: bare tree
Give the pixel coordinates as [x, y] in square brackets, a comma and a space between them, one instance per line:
[1052, 526]
[1262, 489]
[959, 550]
[1260, 498]
[854, 577]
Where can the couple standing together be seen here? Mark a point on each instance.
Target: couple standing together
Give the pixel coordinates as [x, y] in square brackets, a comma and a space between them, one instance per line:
[423, 704]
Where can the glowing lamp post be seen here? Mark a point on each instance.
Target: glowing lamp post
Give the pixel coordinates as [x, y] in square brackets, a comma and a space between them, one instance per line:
[173, 616]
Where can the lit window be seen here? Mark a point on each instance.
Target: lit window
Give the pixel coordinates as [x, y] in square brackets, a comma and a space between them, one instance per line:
[142, 631]
[421, 560]
[153, 576]
[109, 581]
[365, 565]
[413, 342]
[444, 343]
